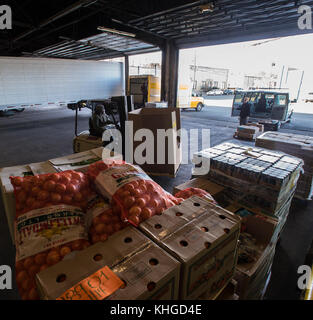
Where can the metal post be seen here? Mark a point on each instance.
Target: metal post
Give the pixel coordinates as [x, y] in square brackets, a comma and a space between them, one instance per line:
[169, 80]
[300, 85]
[281, 77]
[126, 66]
[76, 120]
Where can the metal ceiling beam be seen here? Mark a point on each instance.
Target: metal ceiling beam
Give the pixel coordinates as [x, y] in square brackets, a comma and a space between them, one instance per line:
[157, 14]
[53, 18]
[234, 35]
[236, 12]
[89, 43]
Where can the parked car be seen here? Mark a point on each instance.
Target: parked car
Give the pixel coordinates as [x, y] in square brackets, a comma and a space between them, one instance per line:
[215, 92]
[228, 92]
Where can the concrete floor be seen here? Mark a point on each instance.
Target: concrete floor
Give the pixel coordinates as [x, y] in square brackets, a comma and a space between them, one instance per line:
[40, 134]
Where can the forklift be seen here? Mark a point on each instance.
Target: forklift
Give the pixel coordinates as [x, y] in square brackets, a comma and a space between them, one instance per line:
[116, 108]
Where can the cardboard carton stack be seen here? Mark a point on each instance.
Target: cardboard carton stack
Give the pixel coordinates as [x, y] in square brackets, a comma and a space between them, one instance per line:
[187, 252]
[204, 239]
[147, 272]
[258, 185]
[252, 271]
[249, 131]
[246, 132]
[258, 177]
[156, 120]
[300, 146]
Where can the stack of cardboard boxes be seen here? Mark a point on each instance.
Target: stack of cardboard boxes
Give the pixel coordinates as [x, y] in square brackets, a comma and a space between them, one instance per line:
[258, 185]
[300, 146]
[188, 251]
[249, 131]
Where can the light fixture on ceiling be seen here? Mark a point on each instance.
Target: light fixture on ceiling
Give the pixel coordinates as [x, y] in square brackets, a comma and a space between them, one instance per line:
[207, 7]
[121, 33]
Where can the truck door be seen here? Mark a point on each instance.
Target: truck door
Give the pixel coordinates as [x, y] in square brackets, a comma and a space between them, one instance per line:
[237, 102]
[280, 107]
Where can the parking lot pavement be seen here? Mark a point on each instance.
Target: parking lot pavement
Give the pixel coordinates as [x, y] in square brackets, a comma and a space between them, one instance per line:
[301, 122]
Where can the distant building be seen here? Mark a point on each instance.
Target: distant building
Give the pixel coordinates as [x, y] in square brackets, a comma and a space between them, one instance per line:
[205, 78]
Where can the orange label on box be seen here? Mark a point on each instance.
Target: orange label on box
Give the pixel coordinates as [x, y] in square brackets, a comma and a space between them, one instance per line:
[98, 286]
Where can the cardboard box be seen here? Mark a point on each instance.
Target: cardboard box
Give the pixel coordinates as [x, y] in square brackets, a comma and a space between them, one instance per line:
[228, 200]
[200, 183]
[300, 146]
[244, 135]
[42, 168]
[260, 126]
[84, 142]
[247, 129]
[252, 276]
[7, 192]
[134, 258]
[156, 119]
[16, 171]
[258, 195]
[229, 292]
[263, 177]
[79, 161]
[204, 241]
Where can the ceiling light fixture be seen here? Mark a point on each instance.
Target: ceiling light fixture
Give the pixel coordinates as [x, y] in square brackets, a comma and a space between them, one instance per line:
[207, 7]
[121, 33]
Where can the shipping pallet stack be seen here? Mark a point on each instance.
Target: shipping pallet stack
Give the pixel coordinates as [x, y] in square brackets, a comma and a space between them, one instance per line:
[249, 132]
[300, 146]
[258, 185]
[168, 257]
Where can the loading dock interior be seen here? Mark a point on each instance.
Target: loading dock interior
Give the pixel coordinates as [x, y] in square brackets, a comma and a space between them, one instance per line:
[70, 30]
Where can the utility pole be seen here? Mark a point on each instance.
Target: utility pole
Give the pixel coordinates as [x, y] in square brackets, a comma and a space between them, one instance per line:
[300, 85]
[194, 71]
[281, 78]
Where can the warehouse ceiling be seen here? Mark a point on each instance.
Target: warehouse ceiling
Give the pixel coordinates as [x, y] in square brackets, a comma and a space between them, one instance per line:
[70, 28]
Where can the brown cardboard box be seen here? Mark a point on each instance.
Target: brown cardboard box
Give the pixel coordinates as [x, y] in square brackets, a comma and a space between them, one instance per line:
[298, 146]
[252, 276]
[251, 287]
[260, 126]
[229, 292]
[245, 135]
[264, 178]
[228, 200]
[200, 183]
[84, 142]
[204, 241]
[248, 129]
[149, 274]
[130, 255]
[154, 119]
[78, 161]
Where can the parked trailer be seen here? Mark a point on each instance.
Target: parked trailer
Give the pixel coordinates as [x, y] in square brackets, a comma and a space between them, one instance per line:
[26, 82]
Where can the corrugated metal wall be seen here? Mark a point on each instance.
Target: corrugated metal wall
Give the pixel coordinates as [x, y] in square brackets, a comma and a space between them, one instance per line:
[31, 81]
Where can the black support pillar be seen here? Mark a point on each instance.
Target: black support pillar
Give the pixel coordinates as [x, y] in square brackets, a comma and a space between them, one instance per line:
[126, 65]
[170, 56]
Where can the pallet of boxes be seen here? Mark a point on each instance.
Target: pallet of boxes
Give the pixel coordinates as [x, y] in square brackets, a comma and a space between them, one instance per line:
[300, 146]
[108, 231]
[258, 185]
[249, 132]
